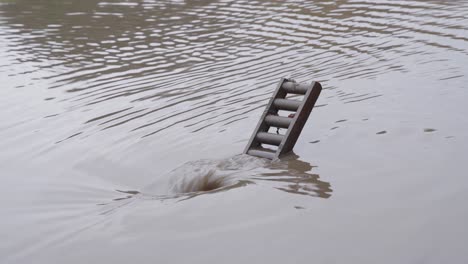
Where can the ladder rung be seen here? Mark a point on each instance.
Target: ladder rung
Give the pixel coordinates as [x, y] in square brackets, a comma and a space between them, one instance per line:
[278, 121]
[269, 138]
[295, 88]
[262, 153]
[261, 140]
[286, 104]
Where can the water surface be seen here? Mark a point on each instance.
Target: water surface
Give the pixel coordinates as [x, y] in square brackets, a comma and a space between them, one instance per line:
[115, 114]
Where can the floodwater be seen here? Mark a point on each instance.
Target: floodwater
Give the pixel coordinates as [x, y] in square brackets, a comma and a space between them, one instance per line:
[122, 124]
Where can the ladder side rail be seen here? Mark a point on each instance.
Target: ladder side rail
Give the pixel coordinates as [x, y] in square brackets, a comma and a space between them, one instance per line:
[299, 119]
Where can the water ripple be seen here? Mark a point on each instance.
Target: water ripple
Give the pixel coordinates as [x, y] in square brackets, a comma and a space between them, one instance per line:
[156, 66]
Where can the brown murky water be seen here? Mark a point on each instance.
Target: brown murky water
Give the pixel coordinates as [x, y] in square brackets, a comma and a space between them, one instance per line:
[113, 115]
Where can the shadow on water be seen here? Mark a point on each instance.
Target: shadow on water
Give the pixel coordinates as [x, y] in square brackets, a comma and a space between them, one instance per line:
[195, 178]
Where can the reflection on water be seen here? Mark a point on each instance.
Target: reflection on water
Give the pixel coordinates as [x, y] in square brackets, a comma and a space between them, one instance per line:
[294, 177]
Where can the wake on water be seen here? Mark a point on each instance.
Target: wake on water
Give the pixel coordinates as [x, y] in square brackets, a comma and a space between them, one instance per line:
[196, 177]
[207, 175]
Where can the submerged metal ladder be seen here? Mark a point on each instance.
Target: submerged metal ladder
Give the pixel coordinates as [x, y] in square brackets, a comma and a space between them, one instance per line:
[269, 145]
